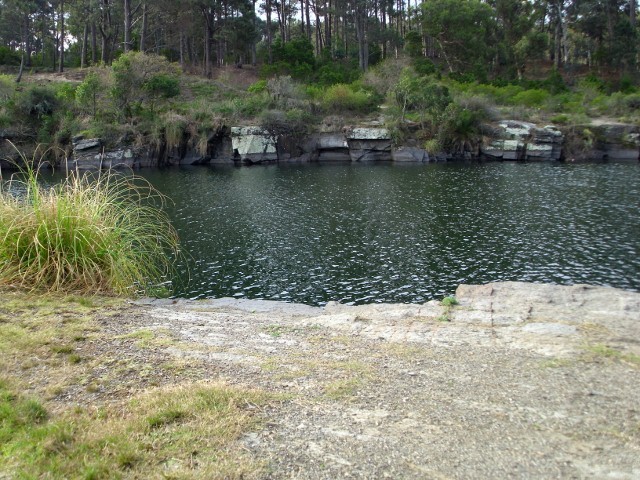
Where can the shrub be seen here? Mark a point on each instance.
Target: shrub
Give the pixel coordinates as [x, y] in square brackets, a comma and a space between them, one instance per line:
[421, 94]
[161, 85]
[88, 234]
[560, 119]
[294, 58]
[36, 102]
[140, 78]
[554, 83]
[461, 128]
[342, 97]
[531, 98]
[174, 127]
[257, 87]
[9, 57]
[293, 123]
[88, 91]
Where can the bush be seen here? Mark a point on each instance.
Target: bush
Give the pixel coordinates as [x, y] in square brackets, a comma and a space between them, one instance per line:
[294, 58]
[531, 98]
[162, 85]
[422, 94]
[342, 97]
[36, 102]
[461, 128]
[294, 123]
[140, 78]
[560, 119]
[9, 57]
[88, 91]
[258, 87]
[88, 234]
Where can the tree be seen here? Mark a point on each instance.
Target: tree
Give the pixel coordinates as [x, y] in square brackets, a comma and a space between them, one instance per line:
[463, 30]
[140, 78]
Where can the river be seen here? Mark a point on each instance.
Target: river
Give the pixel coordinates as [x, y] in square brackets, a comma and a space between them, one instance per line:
[387, 233]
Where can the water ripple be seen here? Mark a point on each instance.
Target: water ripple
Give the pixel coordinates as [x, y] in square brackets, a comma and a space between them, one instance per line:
[364, 234]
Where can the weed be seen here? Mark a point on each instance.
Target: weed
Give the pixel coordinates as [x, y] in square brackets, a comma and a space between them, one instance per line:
[447, 303]
[343, 388]
[178, 422]
[600, 351]
[450, 301]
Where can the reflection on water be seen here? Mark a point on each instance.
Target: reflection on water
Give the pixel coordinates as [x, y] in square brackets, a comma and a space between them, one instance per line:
[384, 233]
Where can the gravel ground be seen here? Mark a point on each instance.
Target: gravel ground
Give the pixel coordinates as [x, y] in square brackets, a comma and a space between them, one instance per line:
[518, 381]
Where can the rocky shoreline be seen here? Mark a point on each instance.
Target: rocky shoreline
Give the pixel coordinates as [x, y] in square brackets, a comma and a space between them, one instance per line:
[509, 140]
[516, 380]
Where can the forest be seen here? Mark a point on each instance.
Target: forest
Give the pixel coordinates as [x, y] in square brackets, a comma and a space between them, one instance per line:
[482, 40]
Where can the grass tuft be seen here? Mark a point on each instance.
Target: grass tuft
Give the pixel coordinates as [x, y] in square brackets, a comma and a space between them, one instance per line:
[93, 233]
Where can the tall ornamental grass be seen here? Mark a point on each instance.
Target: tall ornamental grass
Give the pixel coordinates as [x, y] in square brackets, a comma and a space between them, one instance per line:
[92, 233]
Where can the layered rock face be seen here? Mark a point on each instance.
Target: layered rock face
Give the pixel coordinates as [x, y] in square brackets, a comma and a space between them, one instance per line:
[515, 140]
[605, 142]
[510, 141]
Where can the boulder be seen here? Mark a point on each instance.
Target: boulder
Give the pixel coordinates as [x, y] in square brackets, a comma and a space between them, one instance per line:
[409, 155]
[253, 145]
[366, 133]
[368, 144]
[327, 147]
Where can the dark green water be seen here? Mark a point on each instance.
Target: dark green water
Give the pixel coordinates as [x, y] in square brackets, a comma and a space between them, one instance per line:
[384, 233]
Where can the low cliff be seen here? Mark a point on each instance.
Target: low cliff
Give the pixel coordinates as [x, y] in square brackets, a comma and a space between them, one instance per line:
[509, 141]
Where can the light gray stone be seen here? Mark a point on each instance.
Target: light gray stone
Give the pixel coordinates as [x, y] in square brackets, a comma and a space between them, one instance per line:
[364, 133]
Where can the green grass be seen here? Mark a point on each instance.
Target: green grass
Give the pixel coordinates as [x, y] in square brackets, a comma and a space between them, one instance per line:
[101, 233]
[88, 411]
[449, 301]
[174, 432]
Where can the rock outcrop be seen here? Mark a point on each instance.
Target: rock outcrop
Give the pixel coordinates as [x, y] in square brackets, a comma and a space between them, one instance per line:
[253, 145]
[604, 142]
[89, 154]
[514, 140]
[510, 140]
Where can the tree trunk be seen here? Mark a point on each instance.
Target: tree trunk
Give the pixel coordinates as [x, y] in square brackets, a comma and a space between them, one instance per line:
[254, 59]
[61, 62]
[207, 42]
[361, 34]
[327, 27]
[19, 77]
[27, 41]
[182, 50]
[83, 52]
[306, 3]
[127, 26]
[632, 12]
[94, 44]
[105, 33]
[143, 28]
[269, 35]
